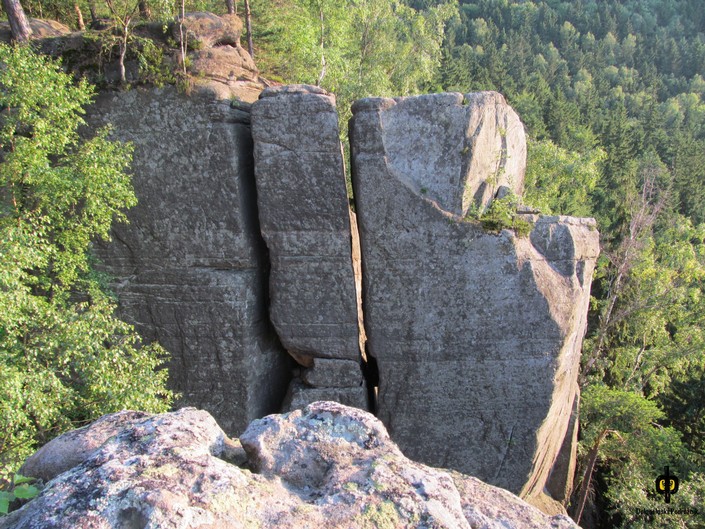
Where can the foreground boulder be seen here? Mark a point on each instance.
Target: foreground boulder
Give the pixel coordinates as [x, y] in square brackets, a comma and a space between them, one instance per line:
[476, 335]
[328, 466]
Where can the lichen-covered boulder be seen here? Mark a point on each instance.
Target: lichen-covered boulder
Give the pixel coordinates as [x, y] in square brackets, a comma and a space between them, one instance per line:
[328, 466]
[74, 447]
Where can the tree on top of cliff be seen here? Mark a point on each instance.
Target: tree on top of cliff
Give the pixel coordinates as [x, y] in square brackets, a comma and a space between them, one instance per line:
[18, 21]
[65, 359]
[359, 49]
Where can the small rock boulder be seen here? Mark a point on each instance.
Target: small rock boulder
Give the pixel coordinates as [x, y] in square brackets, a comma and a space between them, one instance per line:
[40, 29]
[74, 447]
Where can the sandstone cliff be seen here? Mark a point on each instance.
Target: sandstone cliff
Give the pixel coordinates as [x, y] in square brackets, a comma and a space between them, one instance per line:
[303, 212]
[477, 334]
[241, 251]
[191, 267]
[328, 466]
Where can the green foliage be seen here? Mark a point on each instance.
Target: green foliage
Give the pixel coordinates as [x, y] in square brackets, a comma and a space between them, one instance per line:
[21, 488]
[359, 49]
[65, 359]
[559, 181]
[502, 214]
[636, 448]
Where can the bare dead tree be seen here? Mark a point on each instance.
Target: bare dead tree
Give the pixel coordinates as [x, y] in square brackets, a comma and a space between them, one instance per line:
[248, 26]
[647, 207]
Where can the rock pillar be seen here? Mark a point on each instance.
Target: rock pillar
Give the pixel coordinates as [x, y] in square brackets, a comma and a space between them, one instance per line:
[190, 268]
[476, 335]
[303, 212]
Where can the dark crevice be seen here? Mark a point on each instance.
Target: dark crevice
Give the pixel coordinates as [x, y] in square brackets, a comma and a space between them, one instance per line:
[370, 372]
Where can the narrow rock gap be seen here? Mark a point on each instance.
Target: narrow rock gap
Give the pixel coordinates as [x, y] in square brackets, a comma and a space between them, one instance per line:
[370, 372]
[368, 363]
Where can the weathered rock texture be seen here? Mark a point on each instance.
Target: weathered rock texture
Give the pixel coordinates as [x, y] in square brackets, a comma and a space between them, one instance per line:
[457, 151]
[190, 268]
[73, 448]
[326, 467]
[217, 62]
[205, 30]
[476, 335]
[304, 219]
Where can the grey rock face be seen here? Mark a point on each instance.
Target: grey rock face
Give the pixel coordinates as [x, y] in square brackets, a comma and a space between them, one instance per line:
[476, 335]
[456, 150]
[189, 269]
[303, 212]
[328, 466]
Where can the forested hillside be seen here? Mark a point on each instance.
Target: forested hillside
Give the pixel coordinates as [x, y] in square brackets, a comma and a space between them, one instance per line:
[612, 95]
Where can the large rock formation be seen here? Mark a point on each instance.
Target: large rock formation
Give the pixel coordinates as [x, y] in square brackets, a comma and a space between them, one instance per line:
[327, 467]
[456, 151]
[303, 213]
[190, 268]
[476, 335]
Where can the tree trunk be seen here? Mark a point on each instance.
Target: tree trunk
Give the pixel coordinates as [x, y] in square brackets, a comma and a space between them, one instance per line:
[323, 56]
[19, 25]
[94, 13]
[183, 42]
[123, 52]
[577, 511]
[231, 6]
[79, 17]
[248, 25]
